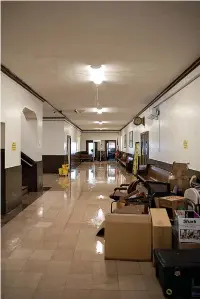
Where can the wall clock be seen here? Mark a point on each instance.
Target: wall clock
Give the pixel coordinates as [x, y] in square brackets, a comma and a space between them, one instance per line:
[138, 121]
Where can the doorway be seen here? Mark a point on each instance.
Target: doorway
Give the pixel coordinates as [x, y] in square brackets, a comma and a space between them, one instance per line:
[91, 148]
[144, 148]
[110, 149]
[69, 151]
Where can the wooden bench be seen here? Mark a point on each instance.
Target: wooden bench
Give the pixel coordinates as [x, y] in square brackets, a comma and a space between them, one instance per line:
[124, 159]
[152, 173]
[79, 157]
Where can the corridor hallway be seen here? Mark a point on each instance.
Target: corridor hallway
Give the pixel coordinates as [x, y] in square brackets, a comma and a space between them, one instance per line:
[50, 250]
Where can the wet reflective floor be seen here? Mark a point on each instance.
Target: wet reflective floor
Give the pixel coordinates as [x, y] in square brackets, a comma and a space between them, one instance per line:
[50, 250]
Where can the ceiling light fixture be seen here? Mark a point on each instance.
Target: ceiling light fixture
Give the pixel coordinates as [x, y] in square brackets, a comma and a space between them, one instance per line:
[97, 74]
[99, 110]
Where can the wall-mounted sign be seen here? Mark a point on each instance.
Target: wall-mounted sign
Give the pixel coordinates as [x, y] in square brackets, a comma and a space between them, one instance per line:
[185, 144]
[14, 146]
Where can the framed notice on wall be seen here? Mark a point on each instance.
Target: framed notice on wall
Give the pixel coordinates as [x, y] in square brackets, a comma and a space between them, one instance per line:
[131, 139]
[125, 141]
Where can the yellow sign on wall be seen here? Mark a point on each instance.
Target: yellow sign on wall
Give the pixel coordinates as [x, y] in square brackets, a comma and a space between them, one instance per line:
[14, 146]
[185, 144]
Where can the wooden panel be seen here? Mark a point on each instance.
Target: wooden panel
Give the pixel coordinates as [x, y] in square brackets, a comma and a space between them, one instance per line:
[51, 163]
[13, 177]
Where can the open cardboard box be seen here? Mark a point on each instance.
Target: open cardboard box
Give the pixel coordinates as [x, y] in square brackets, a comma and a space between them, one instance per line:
[128, 237]
[133, 236]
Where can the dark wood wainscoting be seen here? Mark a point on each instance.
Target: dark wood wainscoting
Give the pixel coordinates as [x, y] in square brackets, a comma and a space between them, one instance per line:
[13, 187]
[51, 163]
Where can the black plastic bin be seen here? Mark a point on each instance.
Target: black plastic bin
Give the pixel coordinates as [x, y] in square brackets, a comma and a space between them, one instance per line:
[178, 272]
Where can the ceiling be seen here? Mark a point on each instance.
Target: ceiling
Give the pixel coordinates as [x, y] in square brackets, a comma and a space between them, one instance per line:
[144, 46]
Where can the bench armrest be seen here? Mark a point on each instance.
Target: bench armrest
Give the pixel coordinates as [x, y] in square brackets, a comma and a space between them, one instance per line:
[122, 185]
[140, 177]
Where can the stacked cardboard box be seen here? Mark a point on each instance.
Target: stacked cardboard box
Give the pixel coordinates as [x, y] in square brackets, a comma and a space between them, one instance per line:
[179, 176]
[161, 229]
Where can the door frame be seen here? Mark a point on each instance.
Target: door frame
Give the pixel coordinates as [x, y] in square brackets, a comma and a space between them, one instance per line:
[141, 143]
[69, 153]
[87, 144]
[106, 143]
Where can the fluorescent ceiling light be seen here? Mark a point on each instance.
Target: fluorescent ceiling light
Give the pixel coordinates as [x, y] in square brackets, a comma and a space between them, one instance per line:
[99, 122]
[99, 110]
[97, 74]
[100, 129]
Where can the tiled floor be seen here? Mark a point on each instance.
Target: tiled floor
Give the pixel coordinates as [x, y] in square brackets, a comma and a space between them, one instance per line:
[50, 250]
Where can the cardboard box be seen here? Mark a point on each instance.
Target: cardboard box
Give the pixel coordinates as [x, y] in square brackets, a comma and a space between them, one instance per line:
[180, 169]
[120, 205]
[161, 229]
[181, 183]
[172, 202]
[187, 224]
[179, 245]
[128, 237]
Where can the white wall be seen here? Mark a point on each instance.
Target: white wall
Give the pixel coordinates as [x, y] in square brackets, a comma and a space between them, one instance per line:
[179, 120]
[55, 137]
[75, 136]
[98, 136]
[29, 138]
[14, 99]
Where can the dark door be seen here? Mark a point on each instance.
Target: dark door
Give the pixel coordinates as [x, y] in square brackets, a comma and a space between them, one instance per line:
[110, 149]
[3, 171]
[95, 150]
[69, 150]
[144, 148]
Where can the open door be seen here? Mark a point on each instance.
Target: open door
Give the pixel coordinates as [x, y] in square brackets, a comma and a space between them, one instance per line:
[91, 148]
[144, 148]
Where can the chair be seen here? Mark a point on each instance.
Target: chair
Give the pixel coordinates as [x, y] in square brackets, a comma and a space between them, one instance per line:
[157, 189]
[129, 188]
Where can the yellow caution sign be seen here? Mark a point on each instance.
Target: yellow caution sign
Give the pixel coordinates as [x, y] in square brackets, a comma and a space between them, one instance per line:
[14, 146]
[185, 144]
[136, 158]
